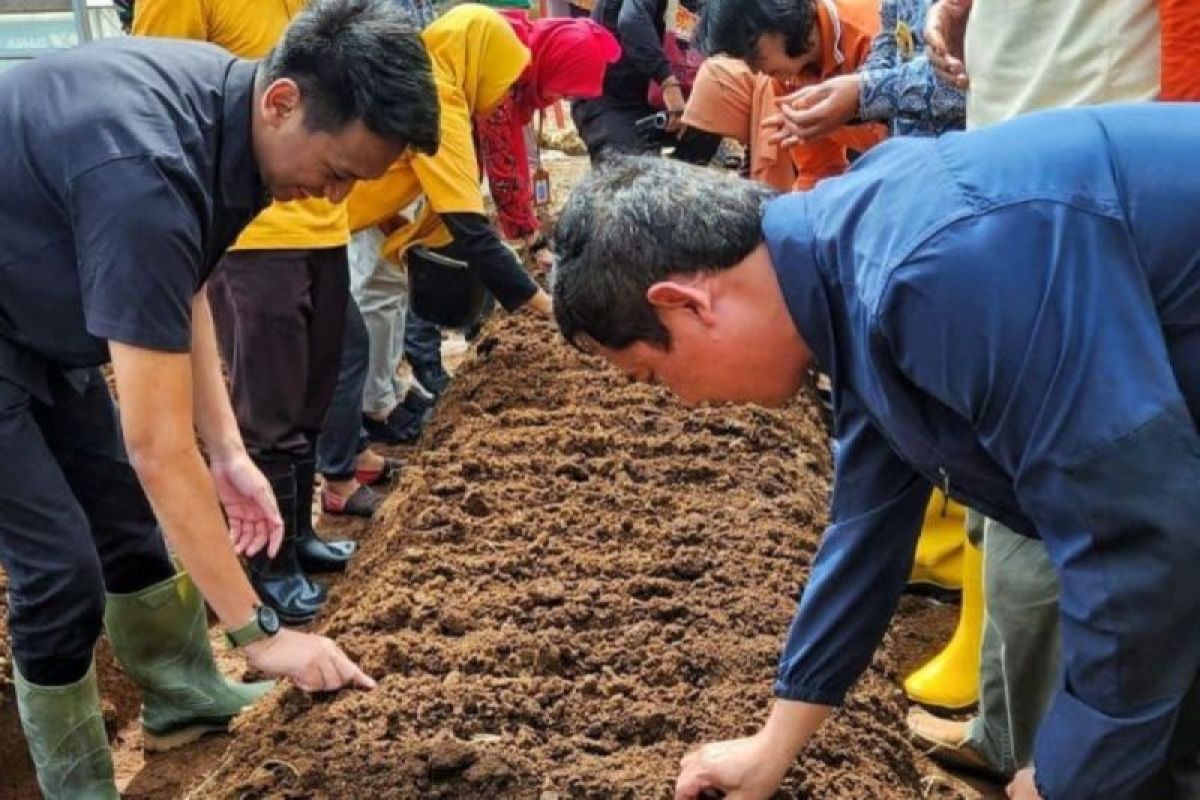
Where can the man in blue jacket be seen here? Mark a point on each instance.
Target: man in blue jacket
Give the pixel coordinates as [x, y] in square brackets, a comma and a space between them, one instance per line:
[1011, 314]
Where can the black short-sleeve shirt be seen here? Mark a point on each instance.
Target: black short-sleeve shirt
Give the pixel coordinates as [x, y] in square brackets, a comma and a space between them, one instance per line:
[127, 169]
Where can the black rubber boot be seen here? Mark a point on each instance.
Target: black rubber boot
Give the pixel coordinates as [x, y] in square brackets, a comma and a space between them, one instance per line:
[280, 581]
[432, 376]
[316, 554]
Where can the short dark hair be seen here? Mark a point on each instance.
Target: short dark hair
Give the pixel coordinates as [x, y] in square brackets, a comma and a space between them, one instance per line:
[360, 59]
[733, 27]
[631, 224]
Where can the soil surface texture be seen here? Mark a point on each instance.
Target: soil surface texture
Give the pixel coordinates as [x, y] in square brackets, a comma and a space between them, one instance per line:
[576, 581]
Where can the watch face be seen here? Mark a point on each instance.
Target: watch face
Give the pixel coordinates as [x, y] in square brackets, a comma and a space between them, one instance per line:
[268, 620]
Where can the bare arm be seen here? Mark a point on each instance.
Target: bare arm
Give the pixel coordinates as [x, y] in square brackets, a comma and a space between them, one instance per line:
[156, 391]
[215, 421]
[157, 394]
[253, 516]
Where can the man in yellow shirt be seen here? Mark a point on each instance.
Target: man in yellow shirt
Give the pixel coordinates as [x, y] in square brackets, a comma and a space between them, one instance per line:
[281, 304]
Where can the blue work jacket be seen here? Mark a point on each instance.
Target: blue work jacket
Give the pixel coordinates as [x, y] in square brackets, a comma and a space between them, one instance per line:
[1013, 314]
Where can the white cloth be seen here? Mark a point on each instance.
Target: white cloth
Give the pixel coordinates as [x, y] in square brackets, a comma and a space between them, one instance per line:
[1025, 55]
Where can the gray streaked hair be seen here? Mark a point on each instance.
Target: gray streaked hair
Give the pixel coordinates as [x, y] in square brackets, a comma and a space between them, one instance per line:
[633, 223]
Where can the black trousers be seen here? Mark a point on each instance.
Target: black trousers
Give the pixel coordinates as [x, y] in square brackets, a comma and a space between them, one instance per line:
[74, 521]
[343, 437]
[608, 128]
[280, 317]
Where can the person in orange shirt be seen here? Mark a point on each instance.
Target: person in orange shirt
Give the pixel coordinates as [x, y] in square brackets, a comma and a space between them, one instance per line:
[281, 303]
[732, 101]
[1180, 32]
[799, 43]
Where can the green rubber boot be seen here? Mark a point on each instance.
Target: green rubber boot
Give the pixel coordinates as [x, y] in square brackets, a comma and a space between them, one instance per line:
[160, 636]
[66, 738]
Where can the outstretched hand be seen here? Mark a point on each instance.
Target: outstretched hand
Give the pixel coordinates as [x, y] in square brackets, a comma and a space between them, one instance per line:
[313, 663]
[737, 769]
[249, 503]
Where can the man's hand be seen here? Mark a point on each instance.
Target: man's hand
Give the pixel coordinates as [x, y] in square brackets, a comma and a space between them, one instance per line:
[675, 102]
[249, 503]
[815, 111]
[740, 769]
[541, 304]
[313, 663]
[945, 33]
[537, 250]
[1023, 787]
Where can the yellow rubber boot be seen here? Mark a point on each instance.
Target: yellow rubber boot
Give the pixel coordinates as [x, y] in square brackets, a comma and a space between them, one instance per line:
[939, 560]
[951, 678]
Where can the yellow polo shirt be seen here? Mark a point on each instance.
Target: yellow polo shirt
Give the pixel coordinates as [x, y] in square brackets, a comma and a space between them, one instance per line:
[476, 59]
[249, 29]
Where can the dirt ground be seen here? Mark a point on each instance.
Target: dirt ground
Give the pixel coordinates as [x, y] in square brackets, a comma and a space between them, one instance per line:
[576, 581]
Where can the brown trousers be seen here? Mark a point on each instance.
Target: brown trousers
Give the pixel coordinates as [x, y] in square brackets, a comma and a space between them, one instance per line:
[280, 316]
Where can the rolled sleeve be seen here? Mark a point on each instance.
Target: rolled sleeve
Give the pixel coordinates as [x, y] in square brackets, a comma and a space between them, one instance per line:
[137, 236]
[893, 86]
[910, 89]
[861, 567]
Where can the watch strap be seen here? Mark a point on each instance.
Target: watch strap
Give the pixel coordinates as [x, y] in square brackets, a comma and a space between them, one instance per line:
[249, 633]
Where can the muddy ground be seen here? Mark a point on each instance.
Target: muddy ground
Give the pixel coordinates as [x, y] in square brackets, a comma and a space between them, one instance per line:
[576, 581]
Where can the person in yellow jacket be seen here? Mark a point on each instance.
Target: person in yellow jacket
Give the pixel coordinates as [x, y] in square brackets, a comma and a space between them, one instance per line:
[282, 305]
[476, 58]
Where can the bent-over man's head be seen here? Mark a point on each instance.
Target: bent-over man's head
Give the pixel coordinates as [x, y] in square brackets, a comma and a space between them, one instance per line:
[662, 269]
[780, 38]
[339, 99]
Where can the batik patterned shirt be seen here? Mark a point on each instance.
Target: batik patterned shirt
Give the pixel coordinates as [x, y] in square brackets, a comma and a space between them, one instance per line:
[899, 86]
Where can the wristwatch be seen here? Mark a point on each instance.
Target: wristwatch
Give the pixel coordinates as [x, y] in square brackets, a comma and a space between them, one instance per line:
[264, 624]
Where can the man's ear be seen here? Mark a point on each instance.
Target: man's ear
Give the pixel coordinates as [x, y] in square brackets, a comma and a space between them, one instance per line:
[280, 100]
[692, 297]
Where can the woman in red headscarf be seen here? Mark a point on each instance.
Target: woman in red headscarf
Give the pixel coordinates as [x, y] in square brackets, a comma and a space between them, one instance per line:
[569, 57]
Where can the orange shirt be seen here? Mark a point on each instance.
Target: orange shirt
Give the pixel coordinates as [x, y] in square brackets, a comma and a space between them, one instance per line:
[846, 29]
[249, 28]
[1180, 23]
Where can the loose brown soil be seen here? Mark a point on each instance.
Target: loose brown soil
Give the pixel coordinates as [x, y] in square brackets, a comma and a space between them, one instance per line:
[577, 581]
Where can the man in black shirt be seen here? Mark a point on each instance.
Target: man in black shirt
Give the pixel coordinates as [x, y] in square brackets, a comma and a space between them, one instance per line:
[129, 167]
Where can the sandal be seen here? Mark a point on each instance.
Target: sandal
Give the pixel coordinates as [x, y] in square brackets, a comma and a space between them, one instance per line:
[362, 503]
[385, 474]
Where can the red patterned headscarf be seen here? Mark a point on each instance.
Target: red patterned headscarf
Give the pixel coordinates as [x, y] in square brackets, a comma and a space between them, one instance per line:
[569, 59]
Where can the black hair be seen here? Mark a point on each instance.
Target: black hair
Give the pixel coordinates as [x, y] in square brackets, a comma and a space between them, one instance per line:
[733, 27]
[631, 224]
[360, 59]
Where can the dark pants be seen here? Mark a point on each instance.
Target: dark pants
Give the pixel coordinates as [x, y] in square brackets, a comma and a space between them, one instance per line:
[74, 521]
[607, 128]
[422, 341]
[281, 317]
[1179, 779]
[343, 438]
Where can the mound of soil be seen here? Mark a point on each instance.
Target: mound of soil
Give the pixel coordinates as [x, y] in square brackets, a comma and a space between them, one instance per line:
[578, 581]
